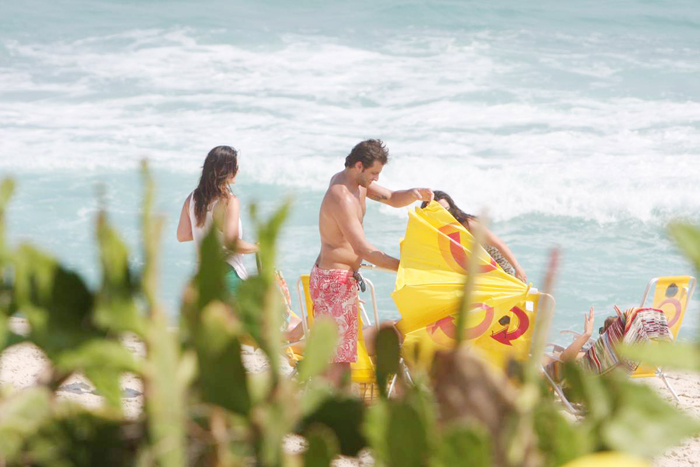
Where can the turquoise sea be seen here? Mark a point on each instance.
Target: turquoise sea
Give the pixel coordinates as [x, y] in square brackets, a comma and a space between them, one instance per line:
[572, 124]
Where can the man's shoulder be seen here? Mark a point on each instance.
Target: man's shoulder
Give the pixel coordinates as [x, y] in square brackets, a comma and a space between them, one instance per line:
[338, 192]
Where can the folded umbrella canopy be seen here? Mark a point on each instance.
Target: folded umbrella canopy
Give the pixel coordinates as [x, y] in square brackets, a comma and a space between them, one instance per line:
[435, 256]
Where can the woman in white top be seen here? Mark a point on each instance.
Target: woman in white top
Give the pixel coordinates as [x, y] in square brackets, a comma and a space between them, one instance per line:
[213, 200]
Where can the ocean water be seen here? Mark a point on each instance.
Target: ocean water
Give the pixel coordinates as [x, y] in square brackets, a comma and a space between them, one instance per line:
[571, 124]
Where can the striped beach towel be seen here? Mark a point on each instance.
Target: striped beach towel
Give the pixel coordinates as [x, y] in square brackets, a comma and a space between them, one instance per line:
[635, 326]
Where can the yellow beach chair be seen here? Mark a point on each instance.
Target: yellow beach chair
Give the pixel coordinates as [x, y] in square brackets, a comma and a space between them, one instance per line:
[362, 371]
[671, 294]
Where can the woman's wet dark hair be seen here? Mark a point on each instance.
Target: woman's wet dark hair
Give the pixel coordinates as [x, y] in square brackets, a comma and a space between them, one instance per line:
[221, 163]
[457, 213]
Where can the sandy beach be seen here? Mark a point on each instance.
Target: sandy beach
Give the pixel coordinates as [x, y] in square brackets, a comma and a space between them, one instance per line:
[21, 366]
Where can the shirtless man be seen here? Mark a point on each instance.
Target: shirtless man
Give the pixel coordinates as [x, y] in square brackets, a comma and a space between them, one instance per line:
[332, 283]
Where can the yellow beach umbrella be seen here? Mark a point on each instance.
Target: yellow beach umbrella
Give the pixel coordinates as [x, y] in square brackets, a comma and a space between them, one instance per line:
[435, 256]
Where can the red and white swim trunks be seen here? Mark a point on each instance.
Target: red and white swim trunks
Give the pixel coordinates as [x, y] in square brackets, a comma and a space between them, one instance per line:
[334, 293]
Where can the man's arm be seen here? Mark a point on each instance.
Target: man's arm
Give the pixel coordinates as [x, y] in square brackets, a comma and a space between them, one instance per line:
[398, 198]
[346, 217]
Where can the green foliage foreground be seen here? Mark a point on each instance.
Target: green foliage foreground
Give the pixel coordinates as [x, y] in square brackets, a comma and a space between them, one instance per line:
[202, 407]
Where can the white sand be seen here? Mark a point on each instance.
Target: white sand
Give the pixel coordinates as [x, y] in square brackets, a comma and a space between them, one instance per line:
[21, 366]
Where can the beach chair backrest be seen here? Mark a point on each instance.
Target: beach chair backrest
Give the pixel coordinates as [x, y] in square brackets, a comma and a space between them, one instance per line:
[671, 294]
[305, 303]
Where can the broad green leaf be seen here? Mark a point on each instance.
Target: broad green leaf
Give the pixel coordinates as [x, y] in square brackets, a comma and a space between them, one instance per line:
[268, 235]
[467, 446]
[116, 306]
[7, 187]
[322, 447]
[56, 302]
[682, 356]
[20, 418]
[407, 439]
[75, 436]
[4, 330]
[688, 239]
[313, 394]
[103, 361]
[588, 389]
[210, 279]
[151, 227]
[345, 417]
[375, 428]
[319, 349]
[643, 423]
[387, 357]
[165, 400]
[559, 439]
[222, 377]
[272, 420]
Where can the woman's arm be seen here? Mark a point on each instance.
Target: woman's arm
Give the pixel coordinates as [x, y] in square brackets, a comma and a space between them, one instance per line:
[492, 239]
[572, 351]
[231, 218]
[184, 226]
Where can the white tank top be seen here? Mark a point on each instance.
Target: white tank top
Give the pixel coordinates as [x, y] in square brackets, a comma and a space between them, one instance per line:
[198, 233]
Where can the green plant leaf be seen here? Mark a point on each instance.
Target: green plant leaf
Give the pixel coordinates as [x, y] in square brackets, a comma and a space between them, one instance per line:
[319, 349]
[56, 302]
[151, 227]
[387, 357]
[344, 416]
[116, 306]
[642, 422]
[679, 355]
[103, 362]
[589, 390]
[468, 446]
[165, 397]
[687, 237]
[375, 428]
[222, 377]
[210, 279]
[559, 439]
[75, 436]
[20, 418]
[407, 440]
[7, 188]
[322, 449]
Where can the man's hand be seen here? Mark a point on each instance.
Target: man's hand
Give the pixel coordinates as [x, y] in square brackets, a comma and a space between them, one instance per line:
[422, 194]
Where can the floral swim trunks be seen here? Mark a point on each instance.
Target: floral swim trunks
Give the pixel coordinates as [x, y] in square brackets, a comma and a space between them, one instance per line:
[334, 294]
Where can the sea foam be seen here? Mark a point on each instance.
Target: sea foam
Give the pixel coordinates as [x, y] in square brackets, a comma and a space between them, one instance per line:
[457, 112]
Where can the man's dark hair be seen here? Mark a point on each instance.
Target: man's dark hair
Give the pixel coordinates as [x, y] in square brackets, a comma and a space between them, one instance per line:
[368, 152]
